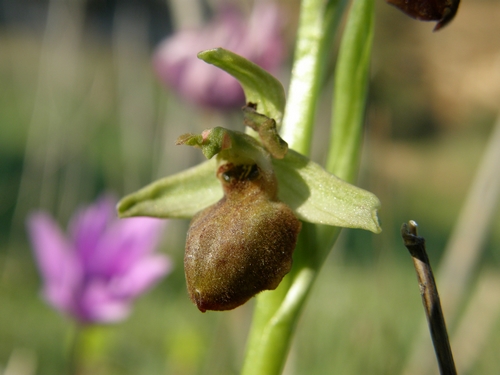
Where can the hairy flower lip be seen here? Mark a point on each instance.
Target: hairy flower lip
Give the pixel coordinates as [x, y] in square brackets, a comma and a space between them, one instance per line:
[241, 245]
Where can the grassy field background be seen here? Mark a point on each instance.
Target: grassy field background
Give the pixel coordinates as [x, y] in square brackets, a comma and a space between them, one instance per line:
[81, 113]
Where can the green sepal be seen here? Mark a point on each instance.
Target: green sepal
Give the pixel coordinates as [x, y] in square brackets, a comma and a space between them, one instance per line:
[319, 197]
[312, 193]
[178, 196]
[260, 87]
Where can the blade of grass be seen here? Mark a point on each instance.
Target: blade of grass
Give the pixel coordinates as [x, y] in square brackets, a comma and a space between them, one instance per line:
[471, 336]
[351, 83]
[464, 246]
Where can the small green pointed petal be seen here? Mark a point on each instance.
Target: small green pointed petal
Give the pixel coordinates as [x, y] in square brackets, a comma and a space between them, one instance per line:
[319, 197]
[259, 86]
[211, 141]
[229, 146]
[268, 133]
[179, 196]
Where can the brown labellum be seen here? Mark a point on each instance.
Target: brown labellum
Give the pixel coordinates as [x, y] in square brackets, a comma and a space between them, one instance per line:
[241, 245]
[429, 10]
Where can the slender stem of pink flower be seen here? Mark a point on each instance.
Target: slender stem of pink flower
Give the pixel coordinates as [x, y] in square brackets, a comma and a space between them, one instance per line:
[86, 348]
[76, 348]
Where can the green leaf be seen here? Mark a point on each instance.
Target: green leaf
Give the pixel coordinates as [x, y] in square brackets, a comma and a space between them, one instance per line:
[319, 197]
[351, 83]
[179, 196]
[259, 86]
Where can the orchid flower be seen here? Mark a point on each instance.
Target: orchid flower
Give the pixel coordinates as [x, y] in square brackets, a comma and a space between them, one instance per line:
[269, 161]
[94, 273]
[315, 195]
[258, 168]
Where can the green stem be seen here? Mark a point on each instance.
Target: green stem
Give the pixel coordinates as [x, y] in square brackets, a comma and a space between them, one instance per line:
[349, 98]
[276, 312]
[317, 26]
[87, 348]
[351, 82]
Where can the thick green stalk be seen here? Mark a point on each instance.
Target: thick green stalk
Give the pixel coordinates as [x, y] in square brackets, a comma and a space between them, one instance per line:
[349, 98]
[276, 312]
[317, 25]
[351, 82]
[87, 348]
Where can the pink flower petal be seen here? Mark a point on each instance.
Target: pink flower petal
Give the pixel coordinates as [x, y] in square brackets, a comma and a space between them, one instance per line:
[142, 276]
[110, 263]
[55, 258]
[177, 66]
[265, 24]
[88, 226]
[125, 243]
[97, 304]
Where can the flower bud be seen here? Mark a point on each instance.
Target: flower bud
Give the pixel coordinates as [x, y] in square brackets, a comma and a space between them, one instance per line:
[241, 245]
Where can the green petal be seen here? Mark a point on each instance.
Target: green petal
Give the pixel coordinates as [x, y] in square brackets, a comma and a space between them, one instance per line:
[318, 197]
[211, 141]
[231, 146]
[267, 131]
[259, 86]
[179, 196]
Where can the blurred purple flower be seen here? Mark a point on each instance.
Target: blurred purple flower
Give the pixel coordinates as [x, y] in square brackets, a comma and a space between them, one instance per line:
[257, 39]
[96, 272]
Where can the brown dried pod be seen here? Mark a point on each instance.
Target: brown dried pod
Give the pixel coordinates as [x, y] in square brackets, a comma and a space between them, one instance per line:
[429, 10]
[243, 244]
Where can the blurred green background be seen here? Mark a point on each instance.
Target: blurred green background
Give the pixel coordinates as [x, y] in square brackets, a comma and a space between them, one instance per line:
[81, 112]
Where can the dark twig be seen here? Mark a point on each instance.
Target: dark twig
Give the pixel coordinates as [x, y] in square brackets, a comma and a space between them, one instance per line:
[430, 298]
